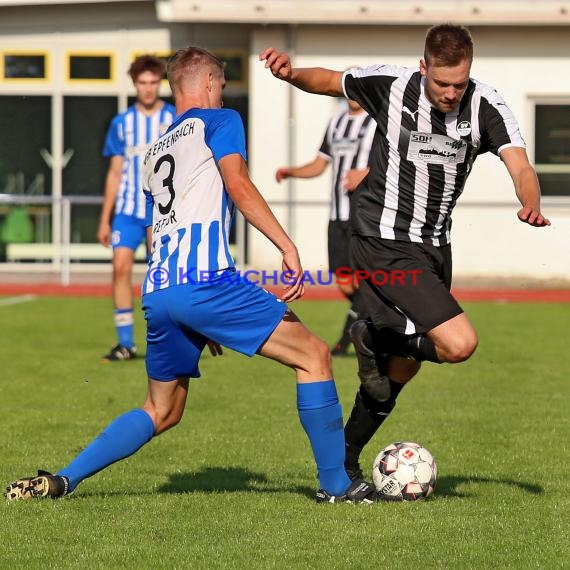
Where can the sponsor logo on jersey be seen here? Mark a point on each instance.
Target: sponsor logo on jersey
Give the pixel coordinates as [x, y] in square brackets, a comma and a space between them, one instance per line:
[432, 148]
[345, 145]
[464, 128]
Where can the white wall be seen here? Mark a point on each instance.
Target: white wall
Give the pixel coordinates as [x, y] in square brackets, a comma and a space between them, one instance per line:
[123, 30]
[287, 125]
[488, 240]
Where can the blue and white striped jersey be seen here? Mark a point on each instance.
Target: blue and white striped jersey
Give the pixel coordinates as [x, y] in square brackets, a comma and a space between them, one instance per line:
[129, 135]
[188, 206]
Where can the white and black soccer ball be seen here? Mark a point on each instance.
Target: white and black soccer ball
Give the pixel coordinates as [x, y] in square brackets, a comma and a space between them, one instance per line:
[404, 471]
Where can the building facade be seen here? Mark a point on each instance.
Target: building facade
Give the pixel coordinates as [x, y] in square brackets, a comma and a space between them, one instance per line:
[63, 75]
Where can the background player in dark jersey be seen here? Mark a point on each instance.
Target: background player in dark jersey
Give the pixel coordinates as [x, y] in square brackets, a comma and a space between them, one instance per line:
[432, 124]
[346, 145]
[121, 223]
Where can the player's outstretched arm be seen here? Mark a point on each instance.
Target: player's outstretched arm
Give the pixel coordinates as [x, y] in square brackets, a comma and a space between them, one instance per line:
[526, 185]
[311, 79]
[309, 170]
[112, 181]
[256, 211]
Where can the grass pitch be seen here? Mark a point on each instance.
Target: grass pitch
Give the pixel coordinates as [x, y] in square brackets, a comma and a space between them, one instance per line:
[233, 485]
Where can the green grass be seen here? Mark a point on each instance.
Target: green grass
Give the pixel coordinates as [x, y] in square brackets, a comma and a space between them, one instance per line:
[233, 485]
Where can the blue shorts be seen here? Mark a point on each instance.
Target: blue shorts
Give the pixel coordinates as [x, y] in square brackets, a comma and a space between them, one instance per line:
[182, 318]
[127, 231]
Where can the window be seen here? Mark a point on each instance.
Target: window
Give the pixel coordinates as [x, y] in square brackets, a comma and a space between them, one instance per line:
[235, 64]
[552, 148]
[90, 67]
[24, 65]
[24, 159]
[235, 67]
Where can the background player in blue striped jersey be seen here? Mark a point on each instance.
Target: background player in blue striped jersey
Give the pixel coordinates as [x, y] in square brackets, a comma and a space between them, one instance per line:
[195, 177]
[122, 221]
[346, 145]
[433, 122]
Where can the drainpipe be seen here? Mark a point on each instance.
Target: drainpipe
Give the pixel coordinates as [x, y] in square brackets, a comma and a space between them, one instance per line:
[291, 147]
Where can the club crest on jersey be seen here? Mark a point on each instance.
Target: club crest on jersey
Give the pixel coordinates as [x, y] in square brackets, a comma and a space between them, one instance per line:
[464, 128]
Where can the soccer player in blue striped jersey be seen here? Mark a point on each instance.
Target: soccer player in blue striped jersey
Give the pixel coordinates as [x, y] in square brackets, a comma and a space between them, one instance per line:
[195, 177]
[122, 222]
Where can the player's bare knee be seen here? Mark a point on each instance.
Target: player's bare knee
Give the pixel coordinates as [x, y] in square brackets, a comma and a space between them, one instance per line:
[460, 349]
[319, 357]
[121, 270]
[323, 352]
[163, 418]
[165, 423]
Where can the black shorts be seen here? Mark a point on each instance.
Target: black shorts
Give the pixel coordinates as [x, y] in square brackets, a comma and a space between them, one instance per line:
[408, 287]
[339, 235]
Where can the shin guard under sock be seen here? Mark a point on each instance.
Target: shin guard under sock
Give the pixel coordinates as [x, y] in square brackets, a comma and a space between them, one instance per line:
[121, 438]
[365, 419]
[321, 416]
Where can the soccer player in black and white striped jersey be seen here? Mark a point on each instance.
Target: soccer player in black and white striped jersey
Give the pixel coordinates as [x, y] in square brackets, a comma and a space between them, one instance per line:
[346, 146]
[432, 123]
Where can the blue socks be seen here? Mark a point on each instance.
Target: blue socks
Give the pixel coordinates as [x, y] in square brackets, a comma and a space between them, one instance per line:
[319, 411]
[124, 323]
[321, 417]
[121, 438]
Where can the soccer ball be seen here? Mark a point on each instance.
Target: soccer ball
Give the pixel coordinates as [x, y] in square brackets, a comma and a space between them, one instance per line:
[404, 471]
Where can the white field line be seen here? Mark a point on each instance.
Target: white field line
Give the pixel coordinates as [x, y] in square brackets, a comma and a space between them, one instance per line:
[15, 300]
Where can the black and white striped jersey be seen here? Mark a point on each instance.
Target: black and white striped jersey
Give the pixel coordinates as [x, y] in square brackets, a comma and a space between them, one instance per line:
[421, 157]
[346, 144]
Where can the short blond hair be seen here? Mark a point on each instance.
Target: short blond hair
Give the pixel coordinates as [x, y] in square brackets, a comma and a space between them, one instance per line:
[188, 61]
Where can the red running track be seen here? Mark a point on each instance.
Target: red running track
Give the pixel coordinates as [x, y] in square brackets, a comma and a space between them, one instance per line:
[321, 293]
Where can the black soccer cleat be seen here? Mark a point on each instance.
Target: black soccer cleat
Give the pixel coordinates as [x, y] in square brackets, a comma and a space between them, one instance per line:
[120, 352]
[359, 492]
[364, 346]
[355, 474]
[372, 361]
[43, 485]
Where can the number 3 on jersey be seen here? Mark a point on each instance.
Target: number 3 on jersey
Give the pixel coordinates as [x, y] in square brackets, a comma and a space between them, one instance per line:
[167, 182]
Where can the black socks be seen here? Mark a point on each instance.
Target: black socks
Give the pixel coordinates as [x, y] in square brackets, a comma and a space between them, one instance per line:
[418, 346]
[366, 417]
